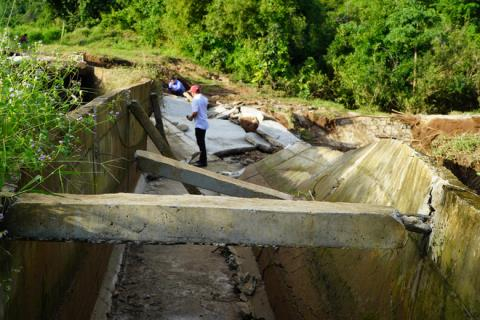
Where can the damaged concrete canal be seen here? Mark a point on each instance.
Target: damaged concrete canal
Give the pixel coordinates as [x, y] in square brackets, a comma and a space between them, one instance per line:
[324, 283]
[432, 275]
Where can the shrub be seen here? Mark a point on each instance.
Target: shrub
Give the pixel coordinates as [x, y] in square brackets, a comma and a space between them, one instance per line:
[34, 131]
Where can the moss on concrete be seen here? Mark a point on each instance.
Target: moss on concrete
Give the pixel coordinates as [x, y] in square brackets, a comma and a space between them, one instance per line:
[431, 278]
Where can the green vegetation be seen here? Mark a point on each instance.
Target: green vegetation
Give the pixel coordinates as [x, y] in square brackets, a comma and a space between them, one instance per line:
[34, 131]
[382, 55]
[463, 149]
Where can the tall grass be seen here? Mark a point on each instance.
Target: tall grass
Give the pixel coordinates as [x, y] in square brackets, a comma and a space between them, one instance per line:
[34, 99]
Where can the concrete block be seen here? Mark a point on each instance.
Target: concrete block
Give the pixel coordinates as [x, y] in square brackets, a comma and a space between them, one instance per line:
[201, 219]
[157, 164]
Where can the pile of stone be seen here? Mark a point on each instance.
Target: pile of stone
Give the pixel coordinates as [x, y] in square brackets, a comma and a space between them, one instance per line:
[262, 131]
[234, 128]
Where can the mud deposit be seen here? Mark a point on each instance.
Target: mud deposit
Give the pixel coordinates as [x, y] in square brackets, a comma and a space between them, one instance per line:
[175, 282]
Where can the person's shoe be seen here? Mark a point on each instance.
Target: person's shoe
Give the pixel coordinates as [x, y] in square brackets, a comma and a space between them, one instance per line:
[199, 164]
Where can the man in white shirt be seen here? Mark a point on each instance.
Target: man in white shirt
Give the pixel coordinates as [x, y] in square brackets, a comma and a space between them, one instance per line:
[199, 114]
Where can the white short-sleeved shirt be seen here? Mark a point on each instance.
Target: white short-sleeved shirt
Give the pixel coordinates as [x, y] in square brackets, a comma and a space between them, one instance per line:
[199, 105]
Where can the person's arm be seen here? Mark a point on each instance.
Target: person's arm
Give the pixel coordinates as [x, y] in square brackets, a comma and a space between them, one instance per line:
[192, 116]
[194, 110]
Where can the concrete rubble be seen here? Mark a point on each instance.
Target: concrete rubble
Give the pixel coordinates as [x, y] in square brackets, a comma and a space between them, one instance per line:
[259, 142]
[225, 136]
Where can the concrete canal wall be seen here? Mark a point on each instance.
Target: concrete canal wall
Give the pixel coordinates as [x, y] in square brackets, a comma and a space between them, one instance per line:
[433, 277]
[48, 280]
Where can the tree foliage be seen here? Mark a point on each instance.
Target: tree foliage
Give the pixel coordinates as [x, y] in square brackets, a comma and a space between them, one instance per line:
[417, 55]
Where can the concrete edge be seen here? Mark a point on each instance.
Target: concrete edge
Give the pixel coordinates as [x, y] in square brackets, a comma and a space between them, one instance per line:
[104, 300]
[103, 305]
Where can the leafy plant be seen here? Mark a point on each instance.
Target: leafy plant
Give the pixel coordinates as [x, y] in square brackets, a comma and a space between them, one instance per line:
[34, 99]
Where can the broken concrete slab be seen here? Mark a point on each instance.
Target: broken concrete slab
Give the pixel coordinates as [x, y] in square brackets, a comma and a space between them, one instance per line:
[159, 165]
[222, 138]
[260, 143]
[220, 112]
[276, 134]
[176, 107]
[201, 219]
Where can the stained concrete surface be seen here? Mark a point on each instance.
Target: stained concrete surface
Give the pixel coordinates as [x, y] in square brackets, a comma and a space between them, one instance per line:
[174, 282]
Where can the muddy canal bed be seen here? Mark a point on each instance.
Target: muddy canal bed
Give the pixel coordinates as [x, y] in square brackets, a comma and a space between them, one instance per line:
[183, 281]
[175, 282]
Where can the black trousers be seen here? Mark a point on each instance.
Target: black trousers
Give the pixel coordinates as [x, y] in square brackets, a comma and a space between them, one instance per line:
[200, 135]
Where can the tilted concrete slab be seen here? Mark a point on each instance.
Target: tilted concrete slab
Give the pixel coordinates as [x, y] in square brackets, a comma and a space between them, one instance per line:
[201, 219]
[157, 164]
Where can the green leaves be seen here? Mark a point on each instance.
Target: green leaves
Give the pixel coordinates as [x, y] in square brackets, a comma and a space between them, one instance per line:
[34, 131]
[392, 55]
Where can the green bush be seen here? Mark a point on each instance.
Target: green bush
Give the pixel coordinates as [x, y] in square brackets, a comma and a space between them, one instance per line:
[409, 55]
[34, 131]
[52, 34]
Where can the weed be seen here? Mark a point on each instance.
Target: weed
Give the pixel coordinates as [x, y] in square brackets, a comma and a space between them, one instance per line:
[34, 100]
[463, 149]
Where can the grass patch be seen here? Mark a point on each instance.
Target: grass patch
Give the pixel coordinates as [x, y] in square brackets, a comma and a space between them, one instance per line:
[463, 149]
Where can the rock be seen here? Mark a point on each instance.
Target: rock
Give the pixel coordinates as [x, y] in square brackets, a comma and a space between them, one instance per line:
[301, 120]
[276, 134]
[248, 123]
[415, 224]
[260, 143]
[182, 127]
[247, 284]
[321, 120]
[251, 112]
[234, 114]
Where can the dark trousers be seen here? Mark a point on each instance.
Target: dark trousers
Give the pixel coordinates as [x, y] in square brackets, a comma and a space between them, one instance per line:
[200, 135]
[177, 93]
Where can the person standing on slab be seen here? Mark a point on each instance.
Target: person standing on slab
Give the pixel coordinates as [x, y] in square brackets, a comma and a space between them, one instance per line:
[199, 114]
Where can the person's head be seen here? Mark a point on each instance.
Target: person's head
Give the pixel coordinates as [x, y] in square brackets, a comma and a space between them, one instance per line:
[195, 89]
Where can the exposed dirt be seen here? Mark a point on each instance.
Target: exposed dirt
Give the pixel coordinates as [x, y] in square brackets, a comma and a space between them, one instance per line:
[106, 62]
[425, 129]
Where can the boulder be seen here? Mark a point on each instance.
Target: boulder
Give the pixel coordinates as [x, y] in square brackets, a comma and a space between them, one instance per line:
[249, 124]
[251, 112]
